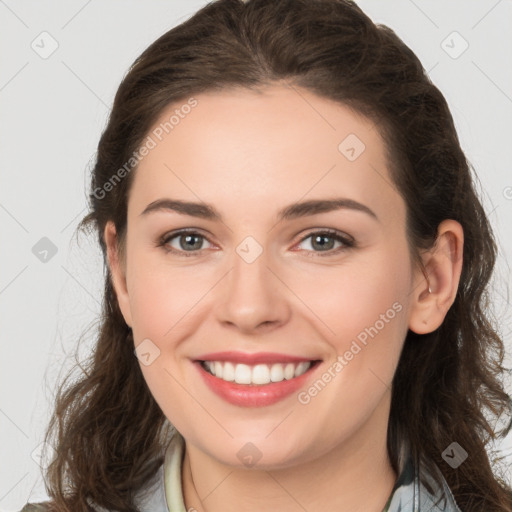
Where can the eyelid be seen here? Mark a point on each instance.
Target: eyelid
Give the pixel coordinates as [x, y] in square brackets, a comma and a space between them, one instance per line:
[347, 240]
[167, 237]
[329, 231]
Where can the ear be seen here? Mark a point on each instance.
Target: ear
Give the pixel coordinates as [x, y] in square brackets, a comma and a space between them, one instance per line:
[117, 267]
[443, 267]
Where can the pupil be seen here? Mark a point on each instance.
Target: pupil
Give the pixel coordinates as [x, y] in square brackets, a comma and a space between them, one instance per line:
[323, 245]
[317, 240]
[188, 238]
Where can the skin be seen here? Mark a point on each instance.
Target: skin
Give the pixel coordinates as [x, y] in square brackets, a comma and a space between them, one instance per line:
[249, 155]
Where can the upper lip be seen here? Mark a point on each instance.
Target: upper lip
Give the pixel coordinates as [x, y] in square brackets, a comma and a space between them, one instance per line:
[254, 358]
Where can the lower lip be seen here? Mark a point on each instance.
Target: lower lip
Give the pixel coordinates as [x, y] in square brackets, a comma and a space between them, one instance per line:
[245, 395]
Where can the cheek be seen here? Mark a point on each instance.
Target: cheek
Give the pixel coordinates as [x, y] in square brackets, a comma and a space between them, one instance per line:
[162, 302]
[162, 297]
[365, 311]
[363, 306]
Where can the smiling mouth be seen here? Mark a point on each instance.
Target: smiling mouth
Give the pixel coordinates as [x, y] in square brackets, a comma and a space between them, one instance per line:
[258, 374]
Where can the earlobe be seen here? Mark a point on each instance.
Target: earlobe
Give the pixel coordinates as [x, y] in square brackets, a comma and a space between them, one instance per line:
[441, 275]
[117, 271]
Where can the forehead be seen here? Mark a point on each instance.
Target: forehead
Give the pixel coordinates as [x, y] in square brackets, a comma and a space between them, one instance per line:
[275, 145]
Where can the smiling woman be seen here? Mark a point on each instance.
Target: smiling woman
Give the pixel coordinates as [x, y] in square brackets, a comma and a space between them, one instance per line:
[294, 312]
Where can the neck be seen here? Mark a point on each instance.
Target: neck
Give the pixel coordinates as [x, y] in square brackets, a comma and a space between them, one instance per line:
[356, 476]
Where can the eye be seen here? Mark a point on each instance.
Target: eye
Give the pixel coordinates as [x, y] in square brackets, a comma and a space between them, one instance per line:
[187, 241]
[191, 242]
[325, 240]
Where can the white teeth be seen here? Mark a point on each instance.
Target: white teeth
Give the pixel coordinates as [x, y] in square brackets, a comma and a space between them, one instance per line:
[228, 372]
[242, 373]
[289, 371]
[301, 368]
[276, 373]
[259, 374]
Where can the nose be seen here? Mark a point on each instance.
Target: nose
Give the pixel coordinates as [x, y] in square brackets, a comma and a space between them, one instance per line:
[253, 297]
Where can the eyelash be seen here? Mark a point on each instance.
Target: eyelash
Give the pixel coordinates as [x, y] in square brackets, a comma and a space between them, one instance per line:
[349, 243]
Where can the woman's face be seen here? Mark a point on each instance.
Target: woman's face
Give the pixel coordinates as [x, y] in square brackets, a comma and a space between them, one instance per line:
[254, 282]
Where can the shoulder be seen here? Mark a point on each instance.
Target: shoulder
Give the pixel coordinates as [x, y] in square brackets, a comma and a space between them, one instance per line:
[410, 493]
[149, 498]
[37, 507]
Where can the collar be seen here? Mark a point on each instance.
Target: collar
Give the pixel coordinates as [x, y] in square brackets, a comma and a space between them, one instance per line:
[410, 495]
[407, 495]
[172, 473]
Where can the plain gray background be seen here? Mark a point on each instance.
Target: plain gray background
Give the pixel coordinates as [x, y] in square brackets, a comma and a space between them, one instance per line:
[54, 108]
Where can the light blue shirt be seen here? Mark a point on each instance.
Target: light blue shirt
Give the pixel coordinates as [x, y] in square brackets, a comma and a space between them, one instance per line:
[163, 493]
[408, 494]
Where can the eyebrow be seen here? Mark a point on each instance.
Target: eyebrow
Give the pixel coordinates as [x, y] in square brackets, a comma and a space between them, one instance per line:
[293, 211]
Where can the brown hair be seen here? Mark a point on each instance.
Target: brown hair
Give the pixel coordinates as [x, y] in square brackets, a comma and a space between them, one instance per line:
[109, 432]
